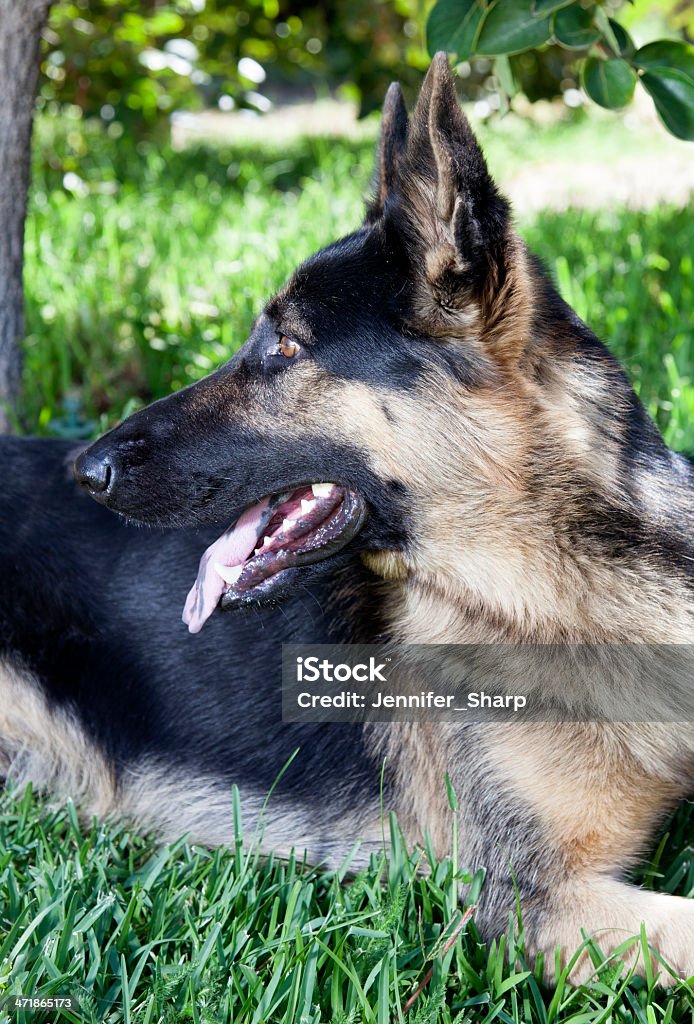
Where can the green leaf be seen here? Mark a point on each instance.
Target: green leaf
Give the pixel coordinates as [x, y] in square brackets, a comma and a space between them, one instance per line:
[575, 29]
[453, 25]
[669, 53]
[672, 92]
[540, 7]
[605, 25]
[504, 72]
[609, 83]
[622, 37]
[511, 27]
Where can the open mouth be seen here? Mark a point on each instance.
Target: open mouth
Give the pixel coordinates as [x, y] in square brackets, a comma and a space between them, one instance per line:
[295, 528]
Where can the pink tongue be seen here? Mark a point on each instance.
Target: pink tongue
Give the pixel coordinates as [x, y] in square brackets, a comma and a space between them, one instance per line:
[232, 548]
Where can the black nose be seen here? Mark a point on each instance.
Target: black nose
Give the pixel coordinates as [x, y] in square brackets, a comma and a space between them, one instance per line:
[95, 473]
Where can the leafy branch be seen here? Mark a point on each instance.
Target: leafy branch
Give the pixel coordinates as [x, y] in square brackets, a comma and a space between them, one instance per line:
[611, 64]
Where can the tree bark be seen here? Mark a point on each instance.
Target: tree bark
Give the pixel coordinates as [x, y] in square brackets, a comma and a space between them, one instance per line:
[21, 22]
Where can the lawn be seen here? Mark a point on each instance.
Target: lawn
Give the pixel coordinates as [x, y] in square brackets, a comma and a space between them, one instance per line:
[141, 934]
[144, 271]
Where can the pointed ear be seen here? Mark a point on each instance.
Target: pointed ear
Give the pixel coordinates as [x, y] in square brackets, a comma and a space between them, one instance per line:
[392, 143]
[450, 206]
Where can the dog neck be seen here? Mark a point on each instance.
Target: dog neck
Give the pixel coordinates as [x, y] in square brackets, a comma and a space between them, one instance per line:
[588, 543]
[554, 600]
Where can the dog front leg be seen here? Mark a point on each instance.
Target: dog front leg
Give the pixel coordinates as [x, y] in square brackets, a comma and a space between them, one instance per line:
[555, 814]
[587, 800]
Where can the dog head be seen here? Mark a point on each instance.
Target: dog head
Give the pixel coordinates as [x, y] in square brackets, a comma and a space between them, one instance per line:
[378, 404]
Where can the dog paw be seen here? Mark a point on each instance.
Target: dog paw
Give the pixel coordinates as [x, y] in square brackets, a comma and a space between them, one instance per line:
[615, 924]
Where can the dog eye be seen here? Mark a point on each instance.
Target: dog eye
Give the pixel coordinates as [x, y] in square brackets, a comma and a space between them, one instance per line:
[288, 347]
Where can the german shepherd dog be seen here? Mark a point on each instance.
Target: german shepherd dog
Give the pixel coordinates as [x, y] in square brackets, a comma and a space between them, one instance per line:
[474, 467]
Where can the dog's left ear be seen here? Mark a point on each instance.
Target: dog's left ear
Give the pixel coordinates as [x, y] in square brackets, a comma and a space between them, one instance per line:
[454, 220]
[392, 143]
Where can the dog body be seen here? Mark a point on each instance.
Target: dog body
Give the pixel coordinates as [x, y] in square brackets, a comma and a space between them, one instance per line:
[493, 480]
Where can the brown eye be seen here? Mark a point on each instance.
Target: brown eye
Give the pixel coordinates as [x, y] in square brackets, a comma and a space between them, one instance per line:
[288, 347]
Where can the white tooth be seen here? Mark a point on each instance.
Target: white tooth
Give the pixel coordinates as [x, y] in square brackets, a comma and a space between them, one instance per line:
[229, 573]
[287, 524]
[266, 542]
[322, 490]
[306, 506]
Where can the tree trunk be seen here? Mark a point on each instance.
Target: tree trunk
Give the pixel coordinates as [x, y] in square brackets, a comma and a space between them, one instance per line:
[21, 22]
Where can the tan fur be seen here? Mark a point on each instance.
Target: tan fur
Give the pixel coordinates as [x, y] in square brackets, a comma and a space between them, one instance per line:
[608, 791]
[47, 747]
[202, 809]
[494, 473]
[422, 807]
[502, 539]
[612, 912]
[486, 563]
[508, 308]
[490, 562]
[599, 790]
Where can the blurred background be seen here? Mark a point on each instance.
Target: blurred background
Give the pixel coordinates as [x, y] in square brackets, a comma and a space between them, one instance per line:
[134, 63]
[188, 153]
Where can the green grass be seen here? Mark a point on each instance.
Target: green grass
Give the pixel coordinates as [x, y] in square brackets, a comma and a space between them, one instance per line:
[141, 934]
[142, 277]
[629, 276]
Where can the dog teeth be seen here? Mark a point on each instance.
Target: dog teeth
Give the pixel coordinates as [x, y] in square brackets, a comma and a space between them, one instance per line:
[287, 524]
[267, 541]
[306, 506]
[322, 490]
[229, 573]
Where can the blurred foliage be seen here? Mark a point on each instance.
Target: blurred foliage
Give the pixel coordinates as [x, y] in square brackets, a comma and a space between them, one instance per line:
[132, 61]
[597, 47]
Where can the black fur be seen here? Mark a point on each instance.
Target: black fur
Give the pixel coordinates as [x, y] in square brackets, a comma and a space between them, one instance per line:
[92, 607]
